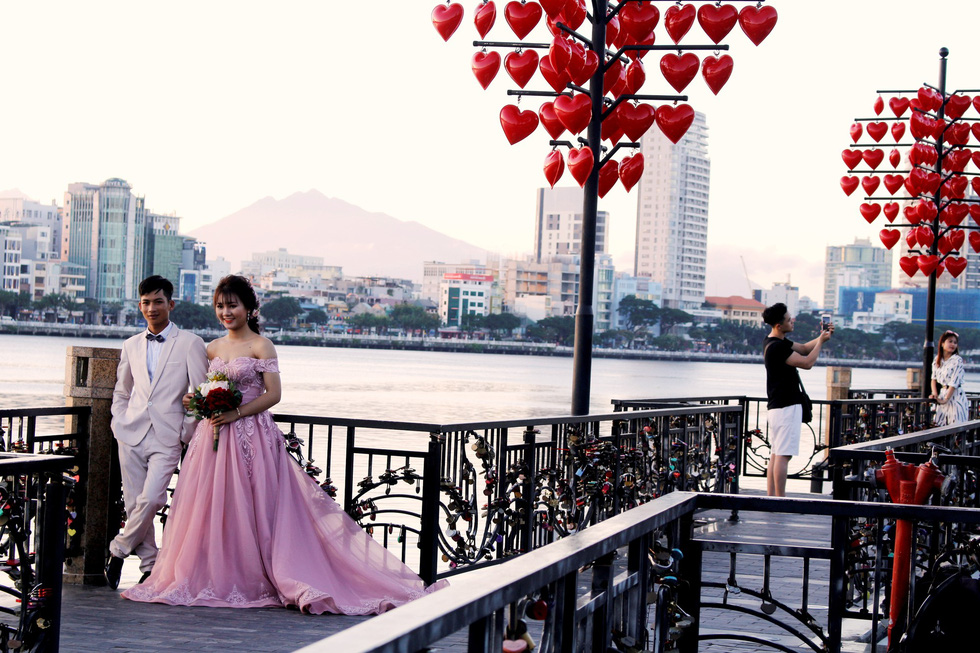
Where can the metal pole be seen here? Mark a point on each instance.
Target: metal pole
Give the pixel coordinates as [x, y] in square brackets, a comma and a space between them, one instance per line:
[584, 316]
[928, 349]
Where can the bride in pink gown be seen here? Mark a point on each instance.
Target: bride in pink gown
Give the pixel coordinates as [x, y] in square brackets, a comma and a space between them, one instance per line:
[248, 528]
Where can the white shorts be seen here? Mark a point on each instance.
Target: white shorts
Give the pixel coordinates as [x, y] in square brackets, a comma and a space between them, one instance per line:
[785, 425]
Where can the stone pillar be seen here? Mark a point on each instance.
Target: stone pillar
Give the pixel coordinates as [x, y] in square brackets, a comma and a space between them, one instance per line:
[90, 375]
[913, 379]
[838, 385]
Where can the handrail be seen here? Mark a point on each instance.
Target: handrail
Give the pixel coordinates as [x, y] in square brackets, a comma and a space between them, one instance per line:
[896, 441]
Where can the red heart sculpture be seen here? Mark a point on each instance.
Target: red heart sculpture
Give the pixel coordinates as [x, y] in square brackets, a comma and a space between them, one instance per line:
[890, 209]
[517, 124]
[975, 213]
[678, 20]
[856, 131]
[940, 269]
[898, 105]
[554, 167]
[849, 184]
[521, 66]
[928, 264]
[636, 75]
[574, 112]
[911, 185]
[975, 183]
[909, 265]
[650, 39]
[893, 183]
[620, 87]
[870, 211]
[446, 18]
[636, 120]
[610, 124]
[976, 103]
[932, 182]
[912, 214]
[573, 13]
[944, 246]
[955, 265]
[929, 99]
[679, 70]
[556, 80]
[954, 187]
[898, 130]
[851, 158]
[957, 238]
[580, 163]
[612, 31]
[873, 157]
[675, 121]
[920, 126]
[879, 106]
[924, 236]
[976, 130]
[550, 120]
[911, 241]
[716, 71]
[608, 174]
[552, 7]
[926, 210]
[922, 154]
[877, 130]
[717, 21]
[757, 22]
[639, 19]
[957, 105]
[957, 160]
[560, 53]
[485, 66]
[589, 65]
[522, 17]
[959, 134]
[484, 17]
[894, 158]
[870, 184]
[888, 236]
[630, 170]
[576, 60]
[975, 239]
[954, 214]
[614, 70]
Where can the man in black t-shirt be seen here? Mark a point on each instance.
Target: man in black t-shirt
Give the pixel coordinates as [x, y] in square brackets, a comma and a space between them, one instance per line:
[784, 358]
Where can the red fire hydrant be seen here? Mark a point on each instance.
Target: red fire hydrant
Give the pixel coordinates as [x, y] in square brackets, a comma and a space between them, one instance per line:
[910, 485]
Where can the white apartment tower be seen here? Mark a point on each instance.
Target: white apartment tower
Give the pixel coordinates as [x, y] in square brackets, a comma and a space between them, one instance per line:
[672, 214]
[558, 224]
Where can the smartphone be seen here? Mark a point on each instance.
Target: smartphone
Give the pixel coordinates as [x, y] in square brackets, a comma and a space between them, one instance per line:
[825, 321]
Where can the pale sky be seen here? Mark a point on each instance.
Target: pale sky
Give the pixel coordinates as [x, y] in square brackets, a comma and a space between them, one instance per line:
[207, 106]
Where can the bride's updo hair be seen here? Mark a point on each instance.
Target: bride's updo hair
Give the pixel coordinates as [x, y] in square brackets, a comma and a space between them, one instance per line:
[240, 287]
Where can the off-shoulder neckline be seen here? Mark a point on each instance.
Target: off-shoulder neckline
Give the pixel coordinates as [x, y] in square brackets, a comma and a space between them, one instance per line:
[228, 362]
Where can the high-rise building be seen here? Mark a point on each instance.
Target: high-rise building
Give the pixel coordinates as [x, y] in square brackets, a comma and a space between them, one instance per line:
[558, 224]
[15, 207]
[433, 273]
[672, 214]
[859, 265]
[164, 246]
[10, 248]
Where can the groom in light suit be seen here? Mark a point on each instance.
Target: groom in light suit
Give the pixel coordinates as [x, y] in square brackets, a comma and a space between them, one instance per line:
[156, 369]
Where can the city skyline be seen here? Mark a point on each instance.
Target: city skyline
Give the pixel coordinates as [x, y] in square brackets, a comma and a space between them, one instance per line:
[258, 103]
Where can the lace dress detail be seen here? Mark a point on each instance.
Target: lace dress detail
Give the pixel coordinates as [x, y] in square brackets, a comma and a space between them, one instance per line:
[248, 527]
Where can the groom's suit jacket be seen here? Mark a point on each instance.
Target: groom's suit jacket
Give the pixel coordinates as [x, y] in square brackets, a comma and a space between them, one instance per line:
[138, 403]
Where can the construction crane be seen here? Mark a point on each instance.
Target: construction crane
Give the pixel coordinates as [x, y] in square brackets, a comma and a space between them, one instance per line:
[748, 281]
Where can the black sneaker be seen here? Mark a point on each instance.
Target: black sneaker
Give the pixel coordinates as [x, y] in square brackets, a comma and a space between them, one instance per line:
[113, 571]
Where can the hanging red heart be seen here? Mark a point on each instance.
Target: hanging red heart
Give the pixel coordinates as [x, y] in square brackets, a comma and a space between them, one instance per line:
[976, 130]
[957, 237]
[573, 13]
[620, 87]
[890, 209]
[521, 66]
[976, 156]
[580, 164]
[849, 184]
[957, 105]
[909, 265]
[589, 65]
[550, 120]
[639, 19]
[446, 18]
[574, 112]
[926, 210]
[716, 71]
[610, 124]
[956, 160]
[552, 24]
[975, 213]
[955, 187]
[556, 80]
[924, 236]
[910, 239]
[911, 185]
[650, 39]
[522, 17]
[851, 158]
[856, 131]
[576, 61]
[932, 182]
[757, 22]
[879, 106]
[612, 31]
[636, 75]
[608, 174]
[877, 130]
[611, 77]
[958, 134]
[559, 53]
[898, 105]
[679, 70]
[912, 214]
[954, 214]
[929, 99]
[898, 130]
[922, 154]
[616, 135]
[894, 158]
[554, 167]
[975, 184]
[484, 17]
[870, 211]
[485, 66]
[893, 183]
[870, 184]
[636, 120]
[717, 20]
[675, 121]
[888, 236]
[678, 20]
[928, 264]
[940, 269]
[873, 157]
[976, 103]
[955, 265]
[920, 125]
[552, 7]
[517, 124]
[975, 239]
[944, 246]
[630, 171]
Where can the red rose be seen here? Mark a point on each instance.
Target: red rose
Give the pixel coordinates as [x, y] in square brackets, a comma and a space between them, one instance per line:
[220, 400]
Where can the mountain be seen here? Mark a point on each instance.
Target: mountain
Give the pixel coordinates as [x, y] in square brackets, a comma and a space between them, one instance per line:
[312, 224]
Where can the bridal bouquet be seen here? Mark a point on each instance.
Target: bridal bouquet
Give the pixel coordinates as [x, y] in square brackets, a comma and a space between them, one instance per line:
[216, 395]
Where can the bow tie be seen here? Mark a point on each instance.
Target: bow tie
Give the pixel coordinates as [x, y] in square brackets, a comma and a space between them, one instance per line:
[150, 336]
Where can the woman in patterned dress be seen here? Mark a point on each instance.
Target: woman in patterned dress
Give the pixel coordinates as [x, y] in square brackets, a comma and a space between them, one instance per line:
[948, 374]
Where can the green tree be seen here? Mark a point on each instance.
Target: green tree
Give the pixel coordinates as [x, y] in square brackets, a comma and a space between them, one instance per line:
[281, 311]
[368, 322]
[502, 324]
[671, 317]
[559, 330]
[470, 322]
[411, 317]
[188, 315]
[638, 313]
[671, 343]
[317, 316]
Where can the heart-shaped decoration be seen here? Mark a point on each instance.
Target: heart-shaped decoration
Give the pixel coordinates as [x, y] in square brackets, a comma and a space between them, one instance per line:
[954, 214]
[956, 160]
[955, 265]
[976, 103]
[576, 60]
[849, 184]
[630, 171]
[877, 130]
[894, 158]
[514, 646]
[975, 213]
[639, 18]
[912, 215]
[911, 185]
[890, 209]
[928, 264]
[538, 610]
[888, 236]
[560, 53]
[757, 22]
[870, 211]
[909, 265]
[636, 120]
[873, 157]
[550, 120]
[926, 211]
[924, 236]
[944, 245]
[610, 124]
[893, 183]
[975, 183]
[556, 80]
[675, 121]
[589, 65]
[517, 124]
[521, 66]
[940, 269]
[870, 184]
[929, 99]
[954, 187]
[975, 239]
[573, 13]
[552, 7]
[922, 154]
[613, 32]
[614, 70]
[484, 17]
[574, 112]
[958, 134]
[554, 167]
[716, 71]
[717, 21]
[932, 182]
[957, 237]
[856, 131]
[898, 130]
[580, 163]
[898, 105]
[636, 76]
[976, 130]
[608, 175]
[879, 106]
[620, 87]
[911, 240]
[678, 20]
[957, 105]
[649, 39]
[679, 70]
[522, 17]
[851, 158]
[485, 66]
[446, 18]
